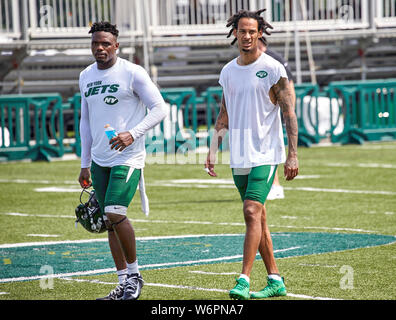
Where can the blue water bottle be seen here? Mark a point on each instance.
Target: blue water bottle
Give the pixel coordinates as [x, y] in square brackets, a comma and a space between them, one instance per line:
[110, 132]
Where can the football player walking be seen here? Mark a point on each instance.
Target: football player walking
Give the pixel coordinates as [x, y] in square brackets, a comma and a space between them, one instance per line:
[252, 116]
[116, 92]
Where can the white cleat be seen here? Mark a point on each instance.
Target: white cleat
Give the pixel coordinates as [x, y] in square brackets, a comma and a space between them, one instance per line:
[276, 192]
[132, 287]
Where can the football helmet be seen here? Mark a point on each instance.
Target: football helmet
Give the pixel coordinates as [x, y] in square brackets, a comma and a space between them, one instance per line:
[89, 214]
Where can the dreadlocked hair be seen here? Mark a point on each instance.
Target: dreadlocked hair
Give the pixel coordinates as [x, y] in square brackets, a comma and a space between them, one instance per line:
[264, 41]
[104, 26]
[234, 20]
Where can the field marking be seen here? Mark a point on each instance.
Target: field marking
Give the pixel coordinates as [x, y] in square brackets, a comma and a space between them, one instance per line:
[57, 189]
[46, 243]
[317, 265]
[228, 184]
[235, 224]
[75, 183]
[388, 193]
[369, 146]
[26, 181]
[43, 235]
[214, 273]
[172, 286]
[108, 270]
[39, 215]
[362, 165]
[59, 275]
[218, 183]
[141, 267]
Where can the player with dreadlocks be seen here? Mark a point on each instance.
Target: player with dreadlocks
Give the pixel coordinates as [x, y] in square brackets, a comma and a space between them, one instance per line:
[253, 120]
[262, 24]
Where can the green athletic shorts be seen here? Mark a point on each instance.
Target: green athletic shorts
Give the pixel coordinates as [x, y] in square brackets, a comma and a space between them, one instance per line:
[114, 187]
[254, 183]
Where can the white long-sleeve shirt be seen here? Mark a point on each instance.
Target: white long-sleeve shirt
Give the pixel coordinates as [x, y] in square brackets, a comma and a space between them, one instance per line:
[117, 96]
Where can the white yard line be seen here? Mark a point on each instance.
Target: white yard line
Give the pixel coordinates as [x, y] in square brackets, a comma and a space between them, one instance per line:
[388, 193]
[237, 224]
[228, 183]
[43, 235]
[214, 273]
[26, 181]
[172, 286]
[46, 243]
[58, 189]
[361, 165]
[214, 183]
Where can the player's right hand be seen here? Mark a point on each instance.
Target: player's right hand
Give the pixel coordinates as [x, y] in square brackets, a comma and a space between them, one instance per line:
[291, 167]
[209, 165]
[85, 178]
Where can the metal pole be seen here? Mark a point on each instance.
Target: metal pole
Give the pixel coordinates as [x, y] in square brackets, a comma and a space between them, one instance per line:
[25, 20]
[308, 44]
[147, 45]
[375, 12]
[297, 44]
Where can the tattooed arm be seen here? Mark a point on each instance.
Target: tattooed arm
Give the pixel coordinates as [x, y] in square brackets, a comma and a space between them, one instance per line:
[221, 128]
[284, 96]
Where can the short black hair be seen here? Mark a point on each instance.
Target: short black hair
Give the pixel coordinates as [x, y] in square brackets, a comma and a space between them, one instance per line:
[104, 26]
[234, 20]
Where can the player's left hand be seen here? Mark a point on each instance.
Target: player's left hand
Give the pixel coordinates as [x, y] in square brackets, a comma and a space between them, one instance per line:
[291, 167]
[121, 141]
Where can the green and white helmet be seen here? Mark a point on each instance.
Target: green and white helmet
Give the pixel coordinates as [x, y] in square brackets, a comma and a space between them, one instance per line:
[89, 214]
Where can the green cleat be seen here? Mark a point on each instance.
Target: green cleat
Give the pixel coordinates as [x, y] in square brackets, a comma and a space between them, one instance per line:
[241, 290]
[274, 288]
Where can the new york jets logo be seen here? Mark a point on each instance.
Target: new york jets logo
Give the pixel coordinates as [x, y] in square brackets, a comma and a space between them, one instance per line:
[110, 100]
[262, 74]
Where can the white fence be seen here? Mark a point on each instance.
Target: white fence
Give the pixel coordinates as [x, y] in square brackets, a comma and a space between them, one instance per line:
[150, 18]
[314, 13]
[9, 19]
[72, 18]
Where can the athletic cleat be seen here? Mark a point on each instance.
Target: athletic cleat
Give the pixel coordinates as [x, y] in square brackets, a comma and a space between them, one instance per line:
[276, 192]
[116, 294]
[132, 287]
[274, 288]
[241, 290]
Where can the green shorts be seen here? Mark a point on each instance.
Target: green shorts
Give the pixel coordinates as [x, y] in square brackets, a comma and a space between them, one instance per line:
[254, 183]
[114, 187]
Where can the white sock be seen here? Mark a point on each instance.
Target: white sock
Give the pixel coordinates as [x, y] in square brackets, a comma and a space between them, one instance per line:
[133, 267]
[275, 277]
[244, 276]
[122, 275]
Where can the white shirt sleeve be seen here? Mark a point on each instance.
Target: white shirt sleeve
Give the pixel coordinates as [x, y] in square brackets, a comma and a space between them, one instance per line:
[279, 72]
[221, 78]
[85, 134]
[152, 99]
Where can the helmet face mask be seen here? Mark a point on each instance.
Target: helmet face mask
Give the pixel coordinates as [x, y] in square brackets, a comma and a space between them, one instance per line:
[89, 214]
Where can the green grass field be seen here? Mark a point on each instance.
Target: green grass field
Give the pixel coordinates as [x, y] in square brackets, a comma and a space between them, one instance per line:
[334, 233]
